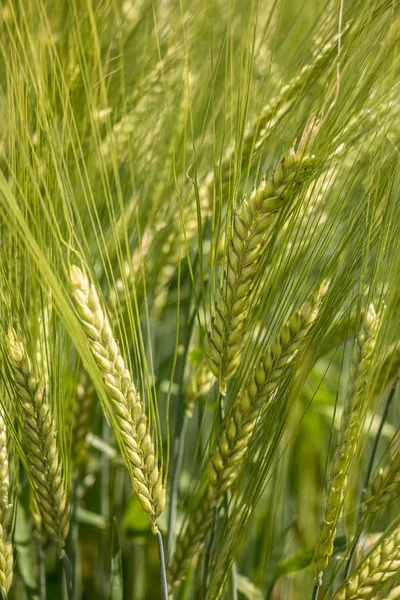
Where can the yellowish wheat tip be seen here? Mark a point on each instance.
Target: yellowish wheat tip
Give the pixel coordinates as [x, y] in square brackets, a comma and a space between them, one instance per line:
[131, 423]
[352, 420]
[378, 572]
[6, 515]
[250, 232]
[41, 443]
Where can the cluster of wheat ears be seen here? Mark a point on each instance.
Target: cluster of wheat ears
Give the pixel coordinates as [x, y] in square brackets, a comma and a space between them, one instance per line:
[199, 299]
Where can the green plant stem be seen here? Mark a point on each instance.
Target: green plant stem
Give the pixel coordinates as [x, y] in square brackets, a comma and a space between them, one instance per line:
[163, 571]
[68, 577]
[179, 444]
[368, 476]
[315, 592]
[41, 569]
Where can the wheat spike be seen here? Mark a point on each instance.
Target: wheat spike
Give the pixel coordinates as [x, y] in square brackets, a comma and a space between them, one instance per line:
[384, 487]
[351, 425]
[130, 417]
[250, 230]
[41, 445]
[239, 426]
[190, 540]
[376, 572]
[6, 514]
[83, 412]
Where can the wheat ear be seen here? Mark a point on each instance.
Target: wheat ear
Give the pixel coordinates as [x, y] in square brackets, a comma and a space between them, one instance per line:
[41, 443]
[6, 515]
[379, 568]
[83, 412]
[351, 425]
[238, 427]
[250, 231]
[190, 540]
[384, 487]
[131, 422]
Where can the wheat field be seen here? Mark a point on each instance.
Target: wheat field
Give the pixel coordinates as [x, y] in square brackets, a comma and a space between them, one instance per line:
[200, 299]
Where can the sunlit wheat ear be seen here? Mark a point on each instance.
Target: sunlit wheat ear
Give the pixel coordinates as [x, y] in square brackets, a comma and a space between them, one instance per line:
[130, 421]
[41, 443]
[190, 540]
[378, 569]
[83, 414]
[238, 428]
[251, 225]
[353, 416]
[6, 514]
[258, 129]
[199, 384]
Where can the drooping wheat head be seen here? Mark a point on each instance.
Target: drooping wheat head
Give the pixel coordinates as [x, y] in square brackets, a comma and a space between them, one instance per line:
[6, 514]
[251, 224]
[351, 426]
[130, 417]
[41, 442]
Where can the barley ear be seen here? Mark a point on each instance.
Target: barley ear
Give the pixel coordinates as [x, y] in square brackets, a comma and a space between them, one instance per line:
[377, 572]
[353, 416]
[6, 515]
[251, 225]
[130, 422]
[41, 443]
[83, 412]
[239, 426]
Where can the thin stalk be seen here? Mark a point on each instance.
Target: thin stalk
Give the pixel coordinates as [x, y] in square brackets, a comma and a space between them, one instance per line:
[233, 583]
[368, 476]
[179, 444]
[315, 592]
[68, 577]
[41, 569]
[163, 570]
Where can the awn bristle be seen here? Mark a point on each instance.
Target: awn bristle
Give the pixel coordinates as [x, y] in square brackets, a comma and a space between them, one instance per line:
[41, 445]
[251, 225]
[6, 515]
[257, 130]
[375, 573]
[350, 430]
[131, 422]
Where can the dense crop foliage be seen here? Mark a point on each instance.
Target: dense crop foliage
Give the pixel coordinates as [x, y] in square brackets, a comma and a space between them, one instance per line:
[200, 299]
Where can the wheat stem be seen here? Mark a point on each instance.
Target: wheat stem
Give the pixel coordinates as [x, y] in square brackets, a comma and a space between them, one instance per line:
[351, 425]
[42, 451]
[250, 232]
[131, 422]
